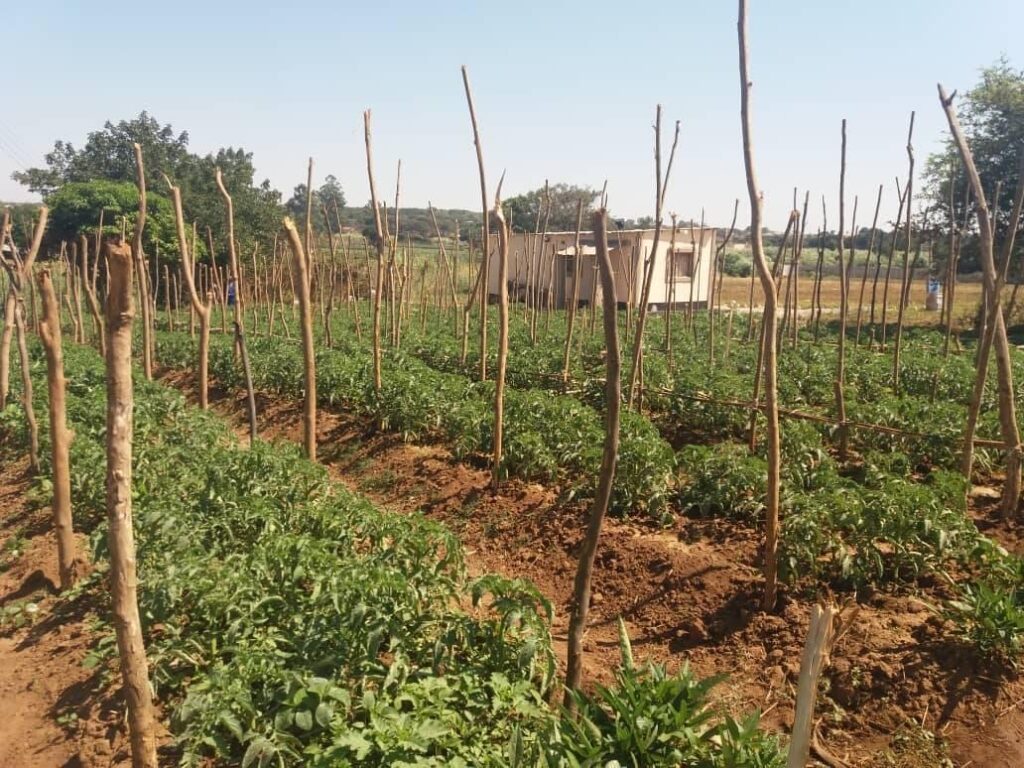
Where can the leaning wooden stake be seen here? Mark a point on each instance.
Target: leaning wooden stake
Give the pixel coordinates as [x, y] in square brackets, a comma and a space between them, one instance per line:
[19, 275]
[379, 244]
[60, 436]
[140, 266]
[90, 294]
[867, 263]
[771, 405]
[10, 299]
[485, 266]
[907, 276]
[201, 308]
[661, 185]
[995, 334]
[229, 205]
[720, 268]
[120, 312]
[308, 350]
[844, 293]
[613, 398]
[499, 377]
[5, 346]
[813, 661]
[247, 372]
[575, 299]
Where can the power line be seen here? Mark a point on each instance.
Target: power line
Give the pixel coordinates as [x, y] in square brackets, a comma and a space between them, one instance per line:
[15, 143]
[9, 151]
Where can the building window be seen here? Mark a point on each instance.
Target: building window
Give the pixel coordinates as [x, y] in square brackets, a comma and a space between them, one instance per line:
[680, 267]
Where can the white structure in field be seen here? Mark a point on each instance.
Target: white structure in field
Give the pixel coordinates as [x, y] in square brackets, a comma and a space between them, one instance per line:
[547, 266]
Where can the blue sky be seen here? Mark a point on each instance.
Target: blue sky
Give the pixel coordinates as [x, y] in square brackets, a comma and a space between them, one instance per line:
[564, 90]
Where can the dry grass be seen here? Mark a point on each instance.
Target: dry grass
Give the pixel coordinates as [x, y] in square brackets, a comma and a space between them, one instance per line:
[968, 295]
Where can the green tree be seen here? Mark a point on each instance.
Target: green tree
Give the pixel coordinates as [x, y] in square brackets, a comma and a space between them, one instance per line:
[992, 114]
[257, 208]
[523, 209]
[329, 194]
[108, 155]
[75, 207]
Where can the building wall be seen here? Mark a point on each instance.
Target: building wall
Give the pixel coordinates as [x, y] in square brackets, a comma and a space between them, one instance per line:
[700, 282]
[626, 247]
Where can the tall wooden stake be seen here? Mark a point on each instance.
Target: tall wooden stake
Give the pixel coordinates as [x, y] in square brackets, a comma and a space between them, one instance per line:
[580, 605]
[140, 266]
[771, 406]
[379, 244]
[60, 436]
[308, 350]
[905, 285]
[844, 431]
[201, 308]
[120, 313]
[660, 187]
[485, 266]
[499, 381]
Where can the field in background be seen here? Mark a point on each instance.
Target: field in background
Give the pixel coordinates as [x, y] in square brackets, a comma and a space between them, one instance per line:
[736, 290]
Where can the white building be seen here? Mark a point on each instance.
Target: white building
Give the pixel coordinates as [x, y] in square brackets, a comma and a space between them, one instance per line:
[549, 267]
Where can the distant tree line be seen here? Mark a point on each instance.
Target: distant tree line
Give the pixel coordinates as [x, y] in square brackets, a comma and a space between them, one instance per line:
[77, 183]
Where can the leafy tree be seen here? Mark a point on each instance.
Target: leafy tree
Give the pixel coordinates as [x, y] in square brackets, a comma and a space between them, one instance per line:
[329, 194]
[108, 155]
[523, 209]
[257, 208]
[992, 114]
[74, 210]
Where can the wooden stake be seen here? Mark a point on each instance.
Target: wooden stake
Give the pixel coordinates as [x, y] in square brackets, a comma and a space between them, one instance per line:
[60, 436]
[888, 269]
[661, 185]
[771, 407]
[580, 604]
[19, 276]
[140, 266]
[499, 381]
[485, 266]
[905, 285]
[867, 262]
[379, 230]
[813, 661]
[120, 312]
[995, 333]
[844, 432]
[247, 372]
[720, 268]
[200, 308]
[5, 346]
[10, 299]
[308, 350]
[574, 302]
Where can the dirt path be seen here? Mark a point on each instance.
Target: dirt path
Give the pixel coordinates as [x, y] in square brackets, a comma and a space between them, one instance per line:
[688, 594]
[54, 713]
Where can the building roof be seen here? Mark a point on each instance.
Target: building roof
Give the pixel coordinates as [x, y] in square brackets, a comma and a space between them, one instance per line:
[585, 250]
[667, 229]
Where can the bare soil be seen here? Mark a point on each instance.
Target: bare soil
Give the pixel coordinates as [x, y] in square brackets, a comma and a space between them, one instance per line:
[54, 712]
[689, 595]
